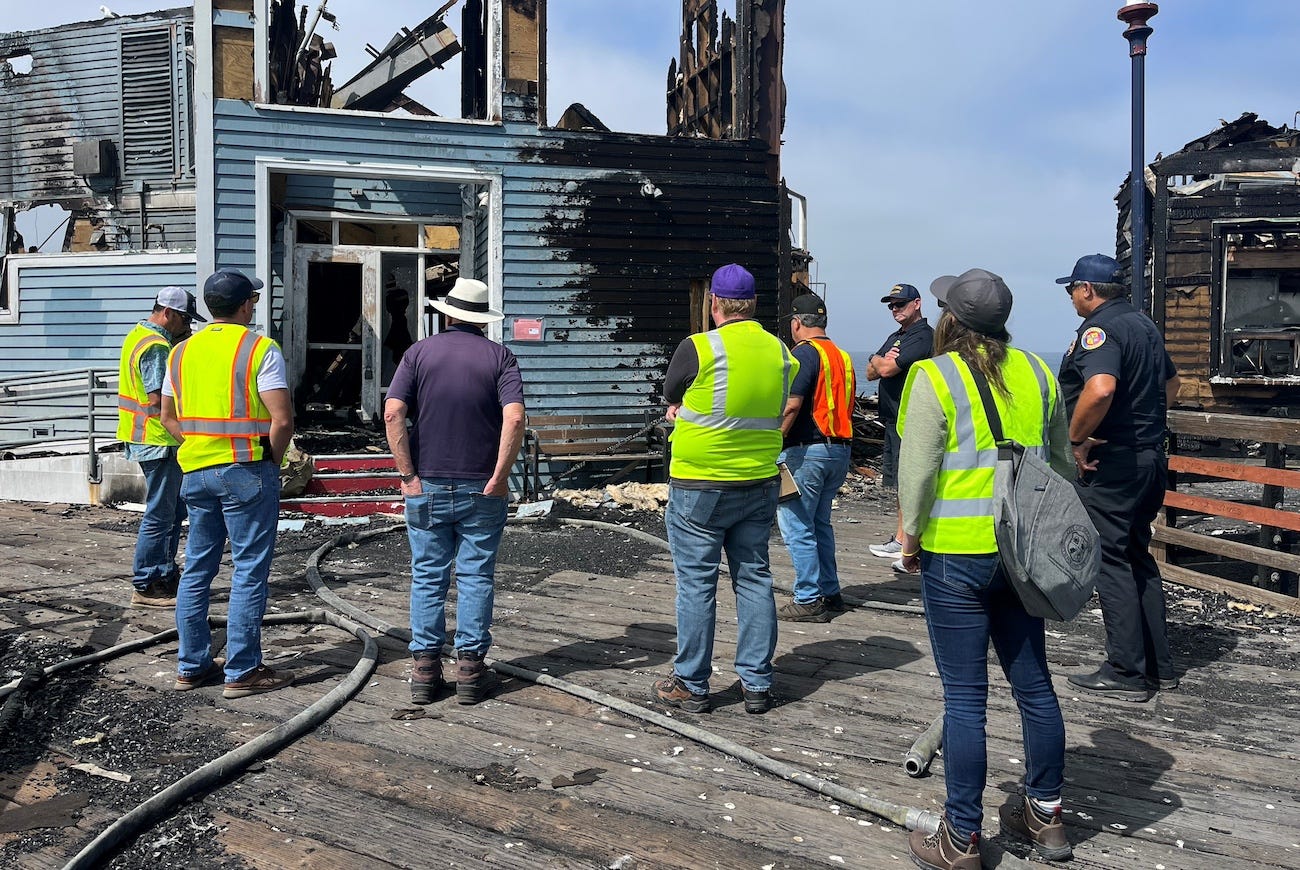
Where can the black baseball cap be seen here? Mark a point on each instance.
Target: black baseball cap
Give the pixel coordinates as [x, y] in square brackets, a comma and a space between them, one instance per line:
[902, 291]
[808, 303]
[227, 287]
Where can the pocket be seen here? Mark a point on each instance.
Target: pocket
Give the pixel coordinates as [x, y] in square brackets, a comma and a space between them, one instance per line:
[701, 508]
[242, 484]
[963, 573]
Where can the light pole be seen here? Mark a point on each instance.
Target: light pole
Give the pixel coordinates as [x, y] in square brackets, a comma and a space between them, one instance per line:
[1136, 15]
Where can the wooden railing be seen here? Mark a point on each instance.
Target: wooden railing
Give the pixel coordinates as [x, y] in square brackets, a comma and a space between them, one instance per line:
[1273, 560]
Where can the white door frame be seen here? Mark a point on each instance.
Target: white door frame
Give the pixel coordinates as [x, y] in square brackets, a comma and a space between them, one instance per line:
[371, 314]
[449, 173]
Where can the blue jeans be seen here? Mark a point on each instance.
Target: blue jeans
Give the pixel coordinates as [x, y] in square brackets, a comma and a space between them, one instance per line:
[453, 521]
[805, 522]
[967, 603]
[160, 527]
[701, 524]
[240, 501]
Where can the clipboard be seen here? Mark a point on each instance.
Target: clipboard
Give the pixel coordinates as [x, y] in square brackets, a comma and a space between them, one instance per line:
[789, 489]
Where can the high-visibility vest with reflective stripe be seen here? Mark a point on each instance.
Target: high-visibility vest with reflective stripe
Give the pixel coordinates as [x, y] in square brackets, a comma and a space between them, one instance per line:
[961, 517]
[138, 421]
[729, 425]
[832, 408]
[214, 379]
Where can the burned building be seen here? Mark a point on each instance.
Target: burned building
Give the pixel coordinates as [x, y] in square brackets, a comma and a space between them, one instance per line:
[96, 120]
[1225, 266]
[357, 204]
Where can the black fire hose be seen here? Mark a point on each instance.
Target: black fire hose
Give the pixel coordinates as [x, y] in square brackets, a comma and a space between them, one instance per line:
[219, 770]
[24, 686]
[906, 817]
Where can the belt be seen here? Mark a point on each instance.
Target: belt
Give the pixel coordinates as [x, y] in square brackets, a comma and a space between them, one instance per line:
[823, 439]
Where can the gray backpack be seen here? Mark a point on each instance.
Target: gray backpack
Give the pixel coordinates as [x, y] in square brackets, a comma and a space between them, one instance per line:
[1049, 548]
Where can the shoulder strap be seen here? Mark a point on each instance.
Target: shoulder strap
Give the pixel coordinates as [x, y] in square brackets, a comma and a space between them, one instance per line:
[990, 408]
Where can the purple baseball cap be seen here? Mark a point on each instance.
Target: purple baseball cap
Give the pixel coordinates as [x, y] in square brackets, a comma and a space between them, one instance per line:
[733, 282]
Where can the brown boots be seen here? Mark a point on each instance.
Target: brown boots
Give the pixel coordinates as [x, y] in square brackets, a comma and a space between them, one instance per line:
[474, 680]
[1022, 819]
[426, 678]
[939, 851]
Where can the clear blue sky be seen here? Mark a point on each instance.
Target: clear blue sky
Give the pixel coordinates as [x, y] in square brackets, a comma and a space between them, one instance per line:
[929, 138]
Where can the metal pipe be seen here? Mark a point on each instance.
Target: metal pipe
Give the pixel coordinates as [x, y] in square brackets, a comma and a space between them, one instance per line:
[918, 758]
[311, 28]
[1136, 16]
[93, 472]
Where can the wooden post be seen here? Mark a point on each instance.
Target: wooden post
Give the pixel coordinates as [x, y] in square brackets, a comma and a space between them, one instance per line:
[1270, 536]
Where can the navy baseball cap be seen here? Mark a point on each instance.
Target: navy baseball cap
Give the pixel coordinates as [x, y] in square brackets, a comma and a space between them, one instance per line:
[901, 291]
[1095, 269]
[732, 281]
[227, 287]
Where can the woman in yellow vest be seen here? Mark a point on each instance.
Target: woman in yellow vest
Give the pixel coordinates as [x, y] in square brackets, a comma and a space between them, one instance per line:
[945, 491]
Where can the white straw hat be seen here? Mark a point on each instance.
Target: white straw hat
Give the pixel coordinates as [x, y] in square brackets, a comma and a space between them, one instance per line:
[468, 301]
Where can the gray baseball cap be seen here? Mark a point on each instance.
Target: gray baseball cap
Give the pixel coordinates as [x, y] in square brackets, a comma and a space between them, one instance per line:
[978, 299]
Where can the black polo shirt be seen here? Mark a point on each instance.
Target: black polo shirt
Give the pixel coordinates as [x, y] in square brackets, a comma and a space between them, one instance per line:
[914, 344]
[1120, 341]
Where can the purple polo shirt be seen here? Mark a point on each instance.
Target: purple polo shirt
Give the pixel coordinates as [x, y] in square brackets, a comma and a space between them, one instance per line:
[454, 385]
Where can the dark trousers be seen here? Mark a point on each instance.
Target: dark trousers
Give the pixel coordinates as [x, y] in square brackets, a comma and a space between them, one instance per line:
[1123, 496]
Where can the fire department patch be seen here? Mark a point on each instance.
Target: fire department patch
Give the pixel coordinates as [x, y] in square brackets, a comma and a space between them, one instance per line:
[1093, 338]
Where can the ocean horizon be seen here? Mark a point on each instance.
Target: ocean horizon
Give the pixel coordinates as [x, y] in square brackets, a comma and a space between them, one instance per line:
[868, 388]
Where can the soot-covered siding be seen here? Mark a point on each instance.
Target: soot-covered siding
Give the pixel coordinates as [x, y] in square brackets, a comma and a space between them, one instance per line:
[607, 268]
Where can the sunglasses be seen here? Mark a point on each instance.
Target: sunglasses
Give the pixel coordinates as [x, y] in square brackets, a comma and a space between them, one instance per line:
[899, 304]
[1072, 286]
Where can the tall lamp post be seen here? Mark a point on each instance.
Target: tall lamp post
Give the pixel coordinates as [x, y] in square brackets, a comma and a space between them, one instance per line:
[1136, 15]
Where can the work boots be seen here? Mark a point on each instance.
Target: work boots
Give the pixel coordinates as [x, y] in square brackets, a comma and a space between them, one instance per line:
[939, 851]
[426, 678]
[1020, 817]
[474, 680]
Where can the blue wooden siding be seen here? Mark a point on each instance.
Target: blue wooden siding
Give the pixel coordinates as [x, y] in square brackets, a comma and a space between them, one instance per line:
[606, 267]
[75, 314]
[379, 197]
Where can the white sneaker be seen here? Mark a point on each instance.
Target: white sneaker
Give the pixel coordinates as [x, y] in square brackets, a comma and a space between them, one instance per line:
[898, 567]
[889, 550]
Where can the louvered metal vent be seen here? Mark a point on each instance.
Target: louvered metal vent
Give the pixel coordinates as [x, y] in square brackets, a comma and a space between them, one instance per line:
[149, 135]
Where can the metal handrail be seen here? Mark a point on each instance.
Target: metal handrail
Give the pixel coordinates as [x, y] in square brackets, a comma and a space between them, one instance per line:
[94, 385]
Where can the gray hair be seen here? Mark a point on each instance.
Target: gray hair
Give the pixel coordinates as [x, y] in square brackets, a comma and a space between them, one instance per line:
[813, 321]
[1108, 290]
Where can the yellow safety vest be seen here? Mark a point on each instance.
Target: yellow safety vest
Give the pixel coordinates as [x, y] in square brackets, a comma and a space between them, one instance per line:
[214, 379]
[961, 517]
[138, 421]
[729, 425]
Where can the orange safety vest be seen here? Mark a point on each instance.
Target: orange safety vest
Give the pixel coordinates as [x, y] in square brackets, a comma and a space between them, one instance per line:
[214, 382]
[832, 408]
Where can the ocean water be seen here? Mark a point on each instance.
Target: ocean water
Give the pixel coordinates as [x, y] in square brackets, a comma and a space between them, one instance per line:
[868, 388]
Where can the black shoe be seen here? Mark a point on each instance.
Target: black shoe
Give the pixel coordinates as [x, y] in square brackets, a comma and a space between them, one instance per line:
[1163, 684]
[155, 594]
[1103, 684]
[834, 603]
[757, 701]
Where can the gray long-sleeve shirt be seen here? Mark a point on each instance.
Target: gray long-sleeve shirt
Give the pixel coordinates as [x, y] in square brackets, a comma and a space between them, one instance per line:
[922, 452]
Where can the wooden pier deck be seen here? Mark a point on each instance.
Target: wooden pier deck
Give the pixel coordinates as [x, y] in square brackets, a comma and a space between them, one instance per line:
[1206, 776]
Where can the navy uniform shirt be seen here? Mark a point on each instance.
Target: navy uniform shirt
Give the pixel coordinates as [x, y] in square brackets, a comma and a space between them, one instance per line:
[1120, 341]
[914, 344]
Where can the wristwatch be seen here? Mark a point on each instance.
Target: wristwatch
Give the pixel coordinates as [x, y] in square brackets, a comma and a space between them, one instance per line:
[407, 478]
